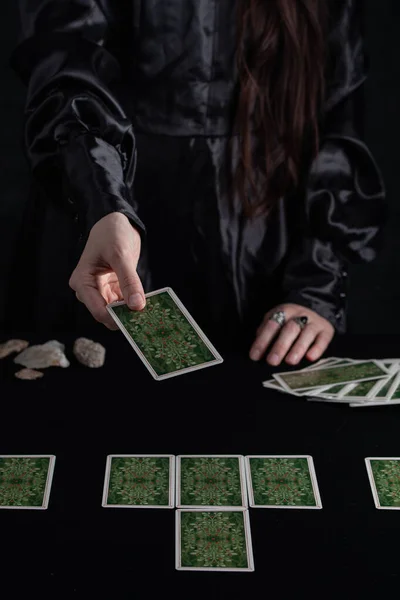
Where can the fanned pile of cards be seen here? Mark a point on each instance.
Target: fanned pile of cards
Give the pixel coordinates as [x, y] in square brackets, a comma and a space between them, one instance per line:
[359, 383]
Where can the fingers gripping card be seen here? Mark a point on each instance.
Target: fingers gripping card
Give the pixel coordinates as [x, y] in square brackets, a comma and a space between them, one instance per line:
[165, 336]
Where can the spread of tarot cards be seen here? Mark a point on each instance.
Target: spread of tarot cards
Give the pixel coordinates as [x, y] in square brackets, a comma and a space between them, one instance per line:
[165, 336]
[213, 495]
[359, 383]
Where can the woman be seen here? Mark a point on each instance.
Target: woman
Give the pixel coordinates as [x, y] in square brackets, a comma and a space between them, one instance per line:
[207, 146]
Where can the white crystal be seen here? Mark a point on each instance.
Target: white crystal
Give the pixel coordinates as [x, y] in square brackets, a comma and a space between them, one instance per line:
[55, 344]
[42, 356]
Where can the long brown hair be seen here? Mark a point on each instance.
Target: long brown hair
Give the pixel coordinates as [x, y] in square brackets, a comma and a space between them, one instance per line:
[281, 66]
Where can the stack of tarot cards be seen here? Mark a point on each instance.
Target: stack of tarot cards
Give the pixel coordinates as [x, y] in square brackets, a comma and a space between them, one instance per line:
[212, 494]
[359, 383]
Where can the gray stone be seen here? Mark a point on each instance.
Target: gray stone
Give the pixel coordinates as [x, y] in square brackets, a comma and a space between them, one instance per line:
[42, 356]
[89, 353]
[28, 374]
[12, 346]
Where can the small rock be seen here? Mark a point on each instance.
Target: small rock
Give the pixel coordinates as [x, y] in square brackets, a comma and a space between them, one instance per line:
[28, 374]
[89, 353]
[12, 346]
[42, 356]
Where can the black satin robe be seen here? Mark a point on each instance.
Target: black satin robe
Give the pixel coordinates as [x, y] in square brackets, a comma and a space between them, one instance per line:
[129, 108]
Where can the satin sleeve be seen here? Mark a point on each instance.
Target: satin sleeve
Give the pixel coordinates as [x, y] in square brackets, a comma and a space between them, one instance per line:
[78, 139]
[342, 209]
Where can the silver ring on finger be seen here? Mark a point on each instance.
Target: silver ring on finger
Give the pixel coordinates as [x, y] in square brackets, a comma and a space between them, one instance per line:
[279, 317]
[301, 321]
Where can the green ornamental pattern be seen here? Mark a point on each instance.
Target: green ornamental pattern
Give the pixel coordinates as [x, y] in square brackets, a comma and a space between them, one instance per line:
[282, 482]
[332, 375]
[23, 481]
[335, 389]
[363, 388]
[396, 393]
[213, 539]
[385, 388]
[209, 481]
[387, 480]
[139, 481]
[164, 335]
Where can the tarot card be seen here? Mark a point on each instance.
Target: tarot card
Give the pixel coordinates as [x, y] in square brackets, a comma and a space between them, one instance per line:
[356, 372]
[386, 394]
[358, 392]
[331, 392]
[365, 390]
[323, 362]
[282, 482]
[338, 390]
[384, 478]
[139, 481]
[165, 336]
[331, 362]
[25, 480]
[390, 361]
[210, 481]
[213, 540]
[275, 385]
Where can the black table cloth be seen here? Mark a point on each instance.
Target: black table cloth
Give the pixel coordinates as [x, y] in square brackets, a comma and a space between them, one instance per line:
[76, 548]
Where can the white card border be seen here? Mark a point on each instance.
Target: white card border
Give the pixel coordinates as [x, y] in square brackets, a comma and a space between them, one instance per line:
[322, 362]
[375, 400]
[217, 357]
[375, 494]
[242, 475]
[343, 397]
[247, 531]
[380, 383]
[332, 362]
[311, 392]
[346, 387]
[49, 480]
[313, 477]
[273, 384]
[373, 403]
[171, 496]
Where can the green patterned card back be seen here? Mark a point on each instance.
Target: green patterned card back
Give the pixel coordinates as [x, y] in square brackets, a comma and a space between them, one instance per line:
[384, 390]
[297, 380]
[386, 475]
[210, 481]
[139, 481]
[169, 342]
[282, 482]
[24, 481]
[335, 389]
[362, 389]
[214, 541]
[396, 393]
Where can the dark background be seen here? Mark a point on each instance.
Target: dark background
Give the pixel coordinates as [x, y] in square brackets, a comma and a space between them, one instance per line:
[78, 550]
[375, 289]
